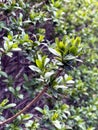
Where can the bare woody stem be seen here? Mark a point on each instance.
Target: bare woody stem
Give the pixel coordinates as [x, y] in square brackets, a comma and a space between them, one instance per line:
[25, 108]
[31, 103]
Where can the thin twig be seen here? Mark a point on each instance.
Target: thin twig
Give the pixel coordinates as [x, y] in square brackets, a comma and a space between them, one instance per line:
[31, 103]
[25, 108]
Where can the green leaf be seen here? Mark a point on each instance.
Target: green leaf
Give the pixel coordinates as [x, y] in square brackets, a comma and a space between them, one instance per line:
[91, 128]
[9, 54]
[55, 116]
[39, 63]
[61, 46]
[34, 68]
[18, 88]
[39, 109]
[69, 57]
[57, 124]
[21, 96]
[10, 37]
[26, 37]
[15, 45]
[73, 50]
[77, 41]
[6, 45]
[41, 37]
[11, 89]
[4, 102]
[29, 124]
[10, 105]
[27, 116]
[3, 74]
[53, 51]
[70, 82]
[60, 86]
[16, 49]
[49, 74]
[46, 61]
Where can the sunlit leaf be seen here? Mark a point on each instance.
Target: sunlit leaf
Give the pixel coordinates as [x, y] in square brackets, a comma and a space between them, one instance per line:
[34, 68]
[53, 51]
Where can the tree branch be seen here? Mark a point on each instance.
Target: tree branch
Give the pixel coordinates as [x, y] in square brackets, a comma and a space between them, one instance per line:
[32, 102]
[25, 108]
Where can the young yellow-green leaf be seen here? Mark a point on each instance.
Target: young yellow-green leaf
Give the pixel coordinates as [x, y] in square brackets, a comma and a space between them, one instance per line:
[57, 41]
[54, 116]
[10, 37]
[52, 1]
[61, 45]
[41, 37]
[91, 128]
[15, 45]
[77, 41]
[33, 14]
[26, 37]
[39, 63]
[73, 50]
[4, 102]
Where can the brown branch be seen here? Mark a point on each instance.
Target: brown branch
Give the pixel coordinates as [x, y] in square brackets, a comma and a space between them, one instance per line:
[32, 102]
[25, 108]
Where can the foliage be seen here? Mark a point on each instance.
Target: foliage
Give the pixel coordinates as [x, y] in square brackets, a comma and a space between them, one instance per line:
[49, 43]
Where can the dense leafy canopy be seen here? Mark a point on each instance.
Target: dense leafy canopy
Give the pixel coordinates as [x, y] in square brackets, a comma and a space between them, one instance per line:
[53, 44]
